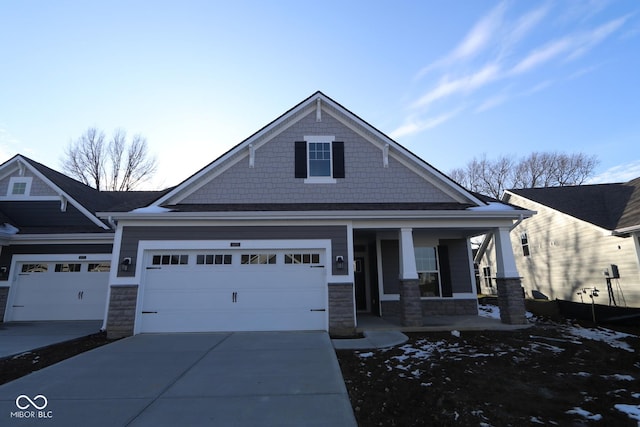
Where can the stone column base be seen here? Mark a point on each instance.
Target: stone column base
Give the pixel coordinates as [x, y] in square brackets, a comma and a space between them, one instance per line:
[122, 311]
[341, 316]
[410, 304]
[511, 301]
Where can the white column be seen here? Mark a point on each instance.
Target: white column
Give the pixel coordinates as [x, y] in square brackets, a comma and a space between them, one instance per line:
[506, 263]
[408, 268]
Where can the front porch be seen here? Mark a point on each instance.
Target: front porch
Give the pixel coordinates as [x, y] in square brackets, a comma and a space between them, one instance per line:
[417, 279]
[370, 322]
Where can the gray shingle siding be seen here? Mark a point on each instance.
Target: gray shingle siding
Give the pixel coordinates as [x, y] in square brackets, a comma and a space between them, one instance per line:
[132, 235]
[38, 187]
[272, 180]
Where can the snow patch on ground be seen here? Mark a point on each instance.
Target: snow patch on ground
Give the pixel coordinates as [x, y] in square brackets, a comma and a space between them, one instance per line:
[613, 338]
[633, 411]
[584, 413]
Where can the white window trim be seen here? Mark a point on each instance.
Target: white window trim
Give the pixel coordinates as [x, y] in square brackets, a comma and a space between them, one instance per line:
[320, 179]
[437, 270]
[18, 180]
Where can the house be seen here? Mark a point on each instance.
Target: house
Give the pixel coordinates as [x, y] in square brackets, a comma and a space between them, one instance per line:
[315, 219]
[55, 252]
[582, 237]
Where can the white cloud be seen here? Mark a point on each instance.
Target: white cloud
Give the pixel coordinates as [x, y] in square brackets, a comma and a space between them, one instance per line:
[620, 173]
[541, 55]
[414, 125]
[465, 84]
[588, 41]
[476, 40]
[492, 102]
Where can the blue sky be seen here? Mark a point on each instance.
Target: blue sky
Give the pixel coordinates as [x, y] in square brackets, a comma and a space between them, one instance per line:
[450, 80]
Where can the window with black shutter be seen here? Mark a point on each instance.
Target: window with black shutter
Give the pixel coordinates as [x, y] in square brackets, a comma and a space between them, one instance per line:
[319, 159]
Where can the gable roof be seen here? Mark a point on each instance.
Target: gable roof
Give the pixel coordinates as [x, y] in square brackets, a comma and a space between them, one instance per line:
[614, 207]
[317, 100]
[84, 198]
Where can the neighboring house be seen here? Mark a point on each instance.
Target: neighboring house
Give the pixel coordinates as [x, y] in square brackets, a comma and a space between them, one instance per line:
[580, 237]
[312, 220]
[56, 253]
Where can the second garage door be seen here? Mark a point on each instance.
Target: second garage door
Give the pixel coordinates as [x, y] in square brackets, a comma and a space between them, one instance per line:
[233, 290]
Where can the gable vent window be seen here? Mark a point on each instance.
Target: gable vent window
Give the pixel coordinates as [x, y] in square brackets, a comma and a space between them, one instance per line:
[19, 187]
[319, 159]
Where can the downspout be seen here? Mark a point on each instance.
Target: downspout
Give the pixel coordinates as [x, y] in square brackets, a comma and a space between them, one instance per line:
[112, 222]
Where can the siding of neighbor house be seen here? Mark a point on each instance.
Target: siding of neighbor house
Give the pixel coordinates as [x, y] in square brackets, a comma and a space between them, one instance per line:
[271, 180]
[132, 235]
[567, 255]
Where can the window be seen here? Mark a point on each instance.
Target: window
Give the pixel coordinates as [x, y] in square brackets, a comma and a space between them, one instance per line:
[170, 260]
[19, 186]
[258, 259]
[319, 159]
[34, 268]
[99, 267]
[525, 244]
[68, 268]
[486, 276]
[302, 258]
[428, 274]
[210, 259]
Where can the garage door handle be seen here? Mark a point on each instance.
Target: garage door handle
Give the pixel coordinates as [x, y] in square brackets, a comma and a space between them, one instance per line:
[234, 297]
[317, 266]
[17, 306]
[318, 309]
[149, 312]
[80, 294]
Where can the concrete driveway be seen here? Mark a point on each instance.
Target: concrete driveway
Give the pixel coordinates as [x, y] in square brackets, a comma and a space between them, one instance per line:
[226, 379]
[18, 337]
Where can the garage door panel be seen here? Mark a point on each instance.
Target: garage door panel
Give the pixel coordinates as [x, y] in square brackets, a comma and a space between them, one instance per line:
[54, 295]
[236, 296]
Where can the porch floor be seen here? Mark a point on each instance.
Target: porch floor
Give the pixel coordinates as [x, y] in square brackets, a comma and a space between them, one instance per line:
[370, 322]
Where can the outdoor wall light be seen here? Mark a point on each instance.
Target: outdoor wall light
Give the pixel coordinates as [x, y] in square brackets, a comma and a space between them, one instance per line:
[339, 262]
[124, 265]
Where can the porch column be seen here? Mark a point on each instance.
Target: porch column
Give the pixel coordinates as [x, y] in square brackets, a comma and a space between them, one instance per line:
[510, 296]
[410, 304]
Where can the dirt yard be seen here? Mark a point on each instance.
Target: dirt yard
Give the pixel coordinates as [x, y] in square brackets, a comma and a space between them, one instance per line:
[549, 374]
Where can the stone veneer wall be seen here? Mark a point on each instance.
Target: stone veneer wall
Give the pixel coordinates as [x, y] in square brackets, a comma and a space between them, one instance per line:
[436, 307]
[511, 301]
[122, 311]
[410, 308]
[341, 306]
[4, 296]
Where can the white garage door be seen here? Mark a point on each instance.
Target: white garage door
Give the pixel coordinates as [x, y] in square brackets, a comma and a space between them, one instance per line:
[249, 290]
[59, 290]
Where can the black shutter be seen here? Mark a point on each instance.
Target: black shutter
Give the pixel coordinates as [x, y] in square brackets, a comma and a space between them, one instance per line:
[445, 271]
[338, 159]
[301, 159]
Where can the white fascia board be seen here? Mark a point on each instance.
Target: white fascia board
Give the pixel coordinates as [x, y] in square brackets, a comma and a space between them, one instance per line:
[258, 139]
[93, 218]
[627, 230]
[324, 215]
[63, 239]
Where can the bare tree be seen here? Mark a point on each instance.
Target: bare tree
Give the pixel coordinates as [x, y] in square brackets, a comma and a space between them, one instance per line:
[492, 177]
[115, 165]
